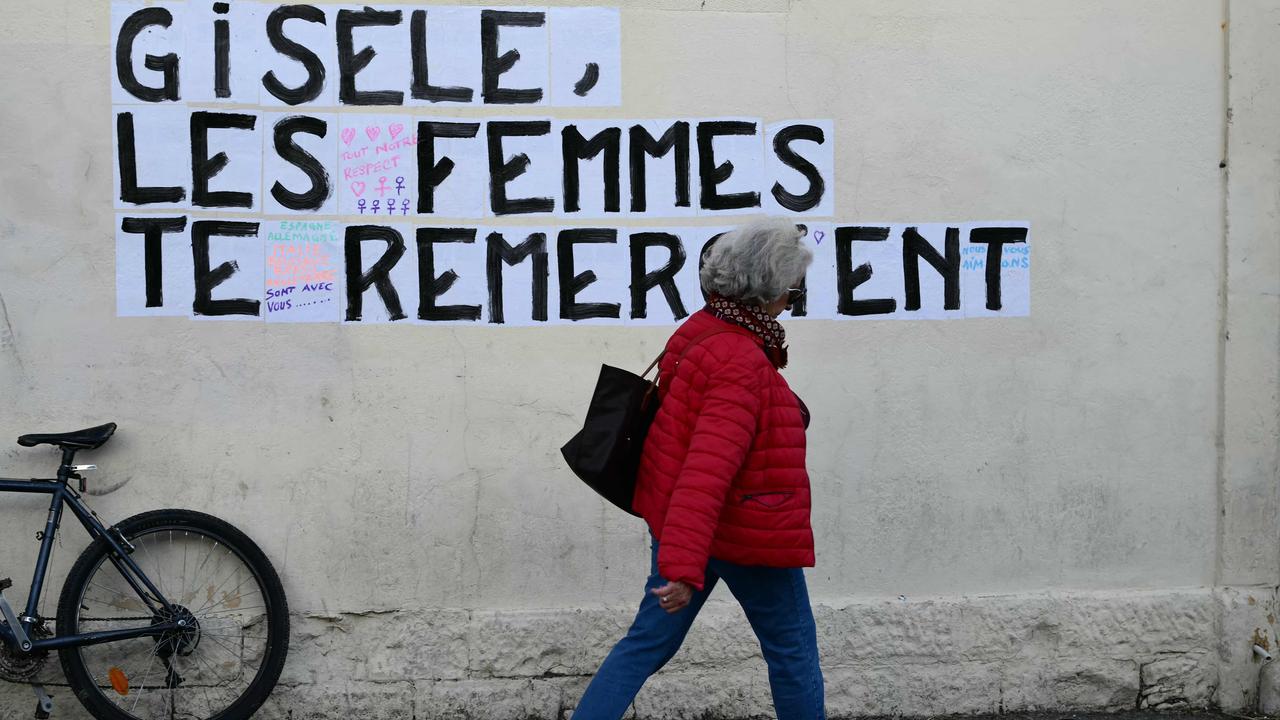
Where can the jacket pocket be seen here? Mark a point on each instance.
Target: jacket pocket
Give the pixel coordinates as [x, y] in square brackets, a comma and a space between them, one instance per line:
[768, 498]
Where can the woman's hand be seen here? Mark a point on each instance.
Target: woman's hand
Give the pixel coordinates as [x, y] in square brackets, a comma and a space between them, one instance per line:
[674, 596]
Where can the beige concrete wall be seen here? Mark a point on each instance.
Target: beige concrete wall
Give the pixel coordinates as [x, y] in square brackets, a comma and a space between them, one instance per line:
[1112, 448]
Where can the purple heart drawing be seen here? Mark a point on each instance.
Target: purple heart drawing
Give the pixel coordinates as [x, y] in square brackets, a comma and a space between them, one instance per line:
[818, 235]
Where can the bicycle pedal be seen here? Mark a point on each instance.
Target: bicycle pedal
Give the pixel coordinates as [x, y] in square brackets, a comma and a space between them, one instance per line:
[44, 703]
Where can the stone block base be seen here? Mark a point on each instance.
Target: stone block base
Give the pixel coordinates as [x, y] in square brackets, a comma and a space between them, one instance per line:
[1177, 649]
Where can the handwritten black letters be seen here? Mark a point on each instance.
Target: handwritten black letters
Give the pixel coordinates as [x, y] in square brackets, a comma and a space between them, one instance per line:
[228, 116]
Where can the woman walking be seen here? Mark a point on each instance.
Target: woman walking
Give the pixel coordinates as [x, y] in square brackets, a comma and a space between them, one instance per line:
[722, 482]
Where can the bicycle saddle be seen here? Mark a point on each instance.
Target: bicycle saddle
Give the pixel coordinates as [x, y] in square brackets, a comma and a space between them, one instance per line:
[86, 439]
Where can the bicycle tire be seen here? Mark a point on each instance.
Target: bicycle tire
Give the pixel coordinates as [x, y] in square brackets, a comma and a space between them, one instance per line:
[99, 697]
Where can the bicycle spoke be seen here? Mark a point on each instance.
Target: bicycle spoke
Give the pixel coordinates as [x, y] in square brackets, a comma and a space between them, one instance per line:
[213, 593]
[143, 686]
[230, 650]
[225, 595]
[195, 584]
[205, 633]
[212, 670]
[127, 675]
[159, 582]
[112, 590]
[228, 613]
[207, 554]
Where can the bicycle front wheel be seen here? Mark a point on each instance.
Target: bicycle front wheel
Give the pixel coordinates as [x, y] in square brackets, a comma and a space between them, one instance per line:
[224, 660]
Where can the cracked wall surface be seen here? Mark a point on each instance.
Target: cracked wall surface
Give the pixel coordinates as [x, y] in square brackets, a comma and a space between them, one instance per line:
[1079, 507]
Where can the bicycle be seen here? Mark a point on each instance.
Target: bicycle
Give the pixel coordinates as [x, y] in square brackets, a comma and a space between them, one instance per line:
[201, 633]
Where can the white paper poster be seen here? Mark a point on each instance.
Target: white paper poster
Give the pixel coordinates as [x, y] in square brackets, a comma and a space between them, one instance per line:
[661, 168]
[152, 161]
[875, 276]
[519, 283]
[979, 273]
[228, 174]
[299, 136]
[586, 56]
[820, 280]
[527, 179]
[452, 59]
[590, 279]
[286, 80]
[523, 33]
[222, 61]
[228, 269]
[597, 185]
[939, 284]
[379, 68]
[153, 276]
[451, 275]
[658, 255]
[801, 164]
[388, 291]
[732, 156]
[303, 270]
[155, 35]
[377, 168]
[458, 176]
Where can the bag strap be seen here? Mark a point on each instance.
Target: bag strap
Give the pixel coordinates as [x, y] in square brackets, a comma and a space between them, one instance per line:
[687, 348]
[653, 364]
[700, 338]
[714, 331]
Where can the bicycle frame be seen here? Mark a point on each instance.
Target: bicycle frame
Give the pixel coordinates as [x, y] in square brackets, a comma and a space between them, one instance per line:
[63, 494]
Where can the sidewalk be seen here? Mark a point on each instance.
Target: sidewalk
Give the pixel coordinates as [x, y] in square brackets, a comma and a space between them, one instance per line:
[1126, 715]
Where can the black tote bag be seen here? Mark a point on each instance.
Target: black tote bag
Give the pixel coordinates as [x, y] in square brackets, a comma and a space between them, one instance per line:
[605, 453]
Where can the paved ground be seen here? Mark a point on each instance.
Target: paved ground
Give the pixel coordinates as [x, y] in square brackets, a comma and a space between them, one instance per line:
[1129, 715]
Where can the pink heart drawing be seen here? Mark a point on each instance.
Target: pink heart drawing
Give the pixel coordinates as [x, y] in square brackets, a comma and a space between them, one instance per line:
[818, 235]
[396, 129]
[373, 131]
[357, 187]
[348, 134]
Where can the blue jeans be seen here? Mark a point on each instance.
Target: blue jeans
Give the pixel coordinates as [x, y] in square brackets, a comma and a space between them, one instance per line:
[776, 603]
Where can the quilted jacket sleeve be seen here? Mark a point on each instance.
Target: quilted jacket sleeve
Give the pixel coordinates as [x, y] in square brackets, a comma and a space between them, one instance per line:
[721, 436]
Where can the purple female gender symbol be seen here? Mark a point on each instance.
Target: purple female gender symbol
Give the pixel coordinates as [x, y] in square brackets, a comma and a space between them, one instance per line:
[404, 206]
[360, 204]
[399, 184]
[375, 206]
[391, 206]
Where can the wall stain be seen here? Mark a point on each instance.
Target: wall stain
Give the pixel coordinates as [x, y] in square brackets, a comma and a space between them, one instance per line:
[1261, 639]
[99, 490]
[8, 339]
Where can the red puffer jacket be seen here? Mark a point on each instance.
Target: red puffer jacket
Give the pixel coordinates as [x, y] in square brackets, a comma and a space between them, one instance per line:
[723, 470]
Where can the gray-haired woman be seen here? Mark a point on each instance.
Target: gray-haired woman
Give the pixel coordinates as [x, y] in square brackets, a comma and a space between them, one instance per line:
[722, 482]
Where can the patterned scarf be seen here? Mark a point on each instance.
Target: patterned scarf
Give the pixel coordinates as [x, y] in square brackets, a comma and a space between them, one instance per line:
[755, 319]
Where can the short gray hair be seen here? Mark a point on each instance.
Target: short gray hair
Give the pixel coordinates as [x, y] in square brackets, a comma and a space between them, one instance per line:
[757, 262]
